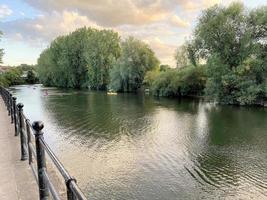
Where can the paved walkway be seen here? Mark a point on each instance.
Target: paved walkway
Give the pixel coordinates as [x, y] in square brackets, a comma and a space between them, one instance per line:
[16, 179]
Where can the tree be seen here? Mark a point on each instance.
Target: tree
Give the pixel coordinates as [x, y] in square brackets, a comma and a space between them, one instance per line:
[181, 56]
[164, 68]
[234, 43]
[189, 80]
[80, 59]
[31, 77]
[11, 77]
[103, 51]
[136, 59]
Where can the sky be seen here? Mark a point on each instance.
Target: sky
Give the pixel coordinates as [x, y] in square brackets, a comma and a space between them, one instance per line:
[30, 25]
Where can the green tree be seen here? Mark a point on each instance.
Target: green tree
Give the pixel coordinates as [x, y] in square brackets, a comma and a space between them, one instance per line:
[11, 77]
[129, 71]
[181, 56]
[103, 51]
[31, 77]
[233, 41]
[80, 59]
[164, 68]
[189, 80]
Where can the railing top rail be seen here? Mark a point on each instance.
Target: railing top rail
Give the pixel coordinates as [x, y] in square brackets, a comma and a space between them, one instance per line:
[77, 192]
[55, 160]
[30, 126]
[68, 179]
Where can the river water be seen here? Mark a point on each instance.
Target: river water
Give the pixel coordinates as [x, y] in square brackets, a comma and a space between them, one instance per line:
[130, 146]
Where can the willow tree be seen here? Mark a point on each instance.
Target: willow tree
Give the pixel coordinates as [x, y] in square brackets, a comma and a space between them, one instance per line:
[80, 59]
[136, 59]
[103, 49]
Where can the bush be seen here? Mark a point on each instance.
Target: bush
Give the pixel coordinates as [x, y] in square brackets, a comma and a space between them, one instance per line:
[186, 81]
[240, 85]
[11, 77]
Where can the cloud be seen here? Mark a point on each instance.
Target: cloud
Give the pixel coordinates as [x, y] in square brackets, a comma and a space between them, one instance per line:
[108, 13]
[44, 28]
[163, 24]
[5, 11]
[120, 12]
[162, 50]
[178, 22]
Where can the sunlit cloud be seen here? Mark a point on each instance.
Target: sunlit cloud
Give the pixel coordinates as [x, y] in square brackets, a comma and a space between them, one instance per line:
[5, 11]
[45, 28]
[163, 24]
[178, 22]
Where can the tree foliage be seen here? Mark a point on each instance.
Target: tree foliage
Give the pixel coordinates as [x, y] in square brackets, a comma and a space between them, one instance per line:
[31, 77]
[129, 71]
[181, 56]
[14, 75]
[189, 80]
[81, 59]
[11, 77]
[233, 41]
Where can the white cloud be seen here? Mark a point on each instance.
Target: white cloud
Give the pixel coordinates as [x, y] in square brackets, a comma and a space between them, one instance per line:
[178, 22]
[162, 50]
[125, 12]
[155, 21]
[44, 28]
[5, 11]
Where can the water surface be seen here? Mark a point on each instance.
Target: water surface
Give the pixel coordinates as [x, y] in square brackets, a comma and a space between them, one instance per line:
[132, 146]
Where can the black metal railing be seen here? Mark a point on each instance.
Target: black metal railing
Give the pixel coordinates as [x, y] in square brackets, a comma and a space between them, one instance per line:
[35, 152]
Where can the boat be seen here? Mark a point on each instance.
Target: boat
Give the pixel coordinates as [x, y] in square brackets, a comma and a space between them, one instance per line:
[111, 92]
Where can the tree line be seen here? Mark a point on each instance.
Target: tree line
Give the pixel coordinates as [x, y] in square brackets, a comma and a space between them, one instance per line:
[96, 59]
[233, 43]
[225, 60]
[17, 75]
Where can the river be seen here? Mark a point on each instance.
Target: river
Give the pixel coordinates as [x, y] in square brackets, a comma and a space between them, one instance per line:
[130, 146]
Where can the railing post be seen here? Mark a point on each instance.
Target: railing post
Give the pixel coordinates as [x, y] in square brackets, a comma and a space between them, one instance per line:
[15, 115]
[70, 195]
[22, 136]
[41, 163]
[8, 103]
[11, 109]
[29, 140]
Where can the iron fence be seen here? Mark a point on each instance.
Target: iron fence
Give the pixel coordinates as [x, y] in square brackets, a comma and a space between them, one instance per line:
[38, 150]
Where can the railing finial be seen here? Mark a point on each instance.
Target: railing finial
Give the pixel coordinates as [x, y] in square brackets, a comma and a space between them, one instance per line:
[37, 126]
[20, 105]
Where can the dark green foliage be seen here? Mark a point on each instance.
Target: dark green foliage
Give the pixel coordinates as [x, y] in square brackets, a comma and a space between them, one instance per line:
[128, 72]
[189, 80]
[26, 67]
[11, 77]
[164, 68]
[31, 77]
[81, 59]
[233, 41]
